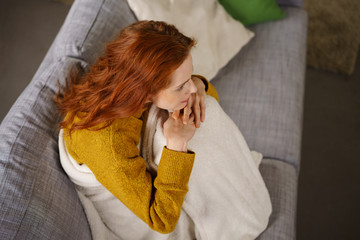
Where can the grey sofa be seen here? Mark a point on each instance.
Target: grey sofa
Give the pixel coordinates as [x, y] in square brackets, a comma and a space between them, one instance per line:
[261, 89]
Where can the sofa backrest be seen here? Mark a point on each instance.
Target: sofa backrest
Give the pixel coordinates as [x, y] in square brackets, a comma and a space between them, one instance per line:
[37, 199]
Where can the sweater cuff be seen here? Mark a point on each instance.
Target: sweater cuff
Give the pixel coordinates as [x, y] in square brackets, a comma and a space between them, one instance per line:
[175, 167]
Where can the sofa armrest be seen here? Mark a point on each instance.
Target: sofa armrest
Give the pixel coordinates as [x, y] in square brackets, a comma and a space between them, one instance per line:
[281, 180]
[37, 199]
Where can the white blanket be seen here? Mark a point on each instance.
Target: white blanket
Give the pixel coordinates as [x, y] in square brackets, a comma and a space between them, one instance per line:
[219, 36]
[227, 197]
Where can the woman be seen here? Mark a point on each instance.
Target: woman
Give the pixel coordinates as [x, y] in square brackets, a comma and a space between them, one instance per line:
[149, 63]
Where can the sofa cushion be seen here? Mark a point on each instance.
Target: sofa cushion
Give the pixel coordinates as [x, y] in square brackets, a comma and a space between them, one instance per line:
[255, 11]
[89, 26]
[37, 200]
[262, 87]
[281, 181]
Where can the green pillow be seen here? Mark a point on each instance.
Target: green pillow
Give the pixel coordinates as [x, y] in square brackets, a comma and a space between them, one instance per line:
[253, 11]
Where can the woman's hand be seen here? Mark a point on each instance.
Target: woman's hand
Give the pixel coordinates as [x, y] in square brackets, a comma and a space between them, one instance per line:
[196, 104]
[178, 134]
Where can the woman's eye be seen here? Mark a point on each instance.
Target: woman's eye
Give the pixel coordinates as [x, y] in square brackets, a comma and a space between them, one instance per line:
[180, 88]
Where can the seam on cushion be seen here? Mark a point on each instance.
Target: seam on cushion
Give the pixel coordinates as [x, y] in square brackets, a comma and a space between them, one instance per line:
[36, 103]
[5, 176]
[282, 160]
[69, 22]
[33, 180]
[92, 25]
[62, 30]
[17, 136]
[24, 120]
[56, 66]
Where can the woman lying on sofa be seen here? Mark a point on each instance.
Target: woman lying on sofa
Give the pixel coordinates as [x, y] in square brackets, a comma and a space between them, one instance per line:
[105, 114]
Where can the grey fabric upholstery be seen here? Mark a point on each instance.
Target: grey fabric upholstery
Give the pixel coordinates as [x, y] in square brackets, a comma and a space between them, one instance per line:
[90, 25]
[37, 199]
[262, 87]
[281, 181]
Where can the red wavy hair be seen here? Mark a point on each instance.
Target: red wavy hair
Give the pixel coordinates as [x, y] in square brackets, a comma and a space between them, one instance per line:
[135, 66]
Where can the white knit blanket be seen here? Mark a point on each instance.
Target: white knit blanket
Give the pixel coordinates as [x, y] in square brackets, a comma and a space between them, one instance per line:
[227, 197]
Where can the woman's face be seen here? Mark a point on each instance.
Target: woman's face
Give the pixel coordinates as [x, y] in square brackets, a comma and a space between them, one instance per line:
[176, 96]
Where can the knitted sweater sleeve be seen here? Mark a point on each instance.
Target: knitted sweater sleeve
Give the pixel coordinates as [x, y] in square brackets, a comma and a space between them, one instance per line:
[113, 157]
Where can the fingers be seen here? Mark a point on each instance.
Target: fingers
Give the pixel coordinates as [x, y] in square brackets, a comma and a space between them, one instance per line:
[196, 108]
[187, 110]
[186, 116]
[202, 107]
[175, 115]
[191, 118]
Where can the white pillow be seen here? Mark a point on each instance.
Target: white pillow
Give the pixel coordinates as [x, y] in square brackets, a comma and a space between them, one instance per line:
[219, 37]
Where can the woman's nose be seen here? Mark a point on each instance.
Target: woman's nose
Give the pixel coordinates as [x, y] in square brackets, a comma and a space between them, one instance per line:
[193, 88]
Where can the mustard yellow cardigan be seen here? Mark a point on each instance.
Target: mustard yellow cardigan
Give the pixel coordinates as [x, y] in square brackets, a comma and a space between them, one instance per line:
[113, 157]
